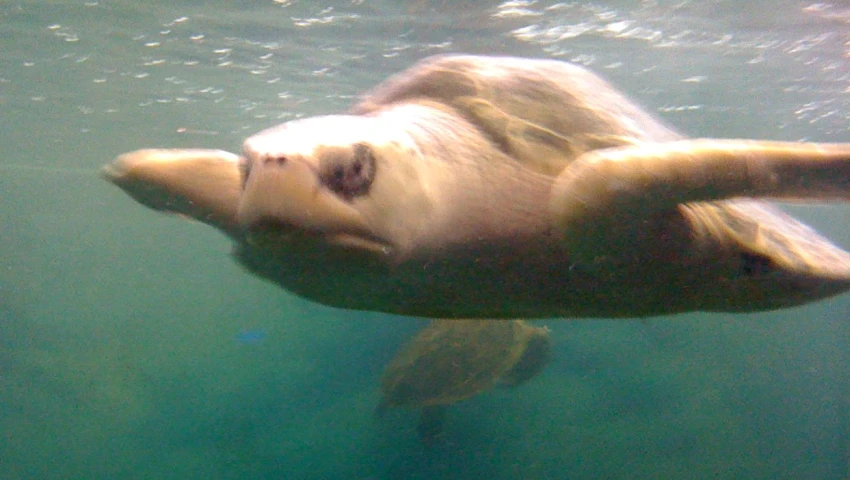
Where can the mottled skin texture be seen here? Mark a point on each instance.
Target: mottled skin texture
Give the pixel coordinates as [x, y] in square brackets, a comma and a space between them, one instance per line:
[487, 187]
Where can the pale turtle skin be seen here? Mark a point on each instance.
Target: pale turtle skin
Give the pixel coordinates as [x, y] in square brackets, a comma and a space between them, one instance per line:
[453, 360]
[499, 187]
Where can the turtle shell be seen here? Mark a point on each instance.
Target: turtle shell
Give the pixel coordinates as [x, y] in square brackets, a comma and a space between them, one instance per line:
[451, 360]
[543, 113]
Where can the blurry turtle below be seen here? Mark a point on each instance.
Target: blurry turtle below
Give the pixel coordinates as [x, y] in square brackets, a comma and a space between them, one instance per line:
[453, 360]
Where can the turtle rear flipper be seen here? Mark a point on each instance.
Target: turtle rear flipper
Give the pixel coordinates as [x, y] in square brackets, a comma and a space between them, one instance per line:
[198, 183]
[431, 421]
[776, 261]
[537, 354]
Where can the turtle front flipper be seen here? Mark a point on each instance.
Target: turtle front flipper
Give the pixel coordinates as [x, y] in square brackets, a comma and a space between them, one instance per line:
[201, 184]
[606, 195]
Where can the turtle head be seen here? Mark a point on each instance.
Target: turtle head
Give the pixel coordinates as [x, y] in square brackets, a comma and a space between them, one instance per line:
[298, 182]
[329, 205]
[324, 182]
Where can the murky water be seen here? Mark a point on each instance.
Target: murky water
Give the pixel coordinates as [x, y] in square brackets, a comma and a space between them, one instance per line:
[132, 347]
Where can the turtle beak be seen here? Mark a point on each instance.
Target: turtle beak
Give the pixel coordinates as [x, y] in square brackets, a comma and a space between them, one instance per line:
[283, 193]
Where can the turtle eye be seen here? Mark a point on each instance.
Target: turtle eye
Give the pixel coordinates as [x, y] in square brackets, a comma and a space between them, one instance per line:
[349, 173]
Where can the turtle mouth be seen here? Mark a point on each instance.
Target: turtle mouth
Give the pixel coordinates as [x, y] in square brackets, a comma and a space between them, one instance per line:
[275, 235]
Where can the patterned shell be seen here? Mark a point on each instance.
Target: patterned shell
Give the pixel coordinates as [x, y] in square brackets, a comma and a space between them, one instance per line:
[451, 360]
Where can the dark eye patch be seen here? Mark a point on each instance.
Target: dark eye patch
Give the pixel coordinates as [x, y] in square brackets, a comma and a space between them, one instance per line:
[349, 172]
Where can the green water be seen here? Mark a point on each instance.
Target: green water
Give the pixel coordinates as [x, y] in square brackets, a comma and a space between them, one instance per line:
[132, 347]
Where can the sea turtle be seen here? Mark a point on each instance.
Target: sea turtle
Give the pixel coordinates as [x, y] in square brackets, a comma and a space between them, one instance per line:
[452, 360]
[499, 187]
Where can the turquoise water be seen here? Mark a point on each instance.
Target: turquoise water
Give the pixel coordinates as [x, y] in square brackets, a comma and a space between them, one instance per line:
[132, 347]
